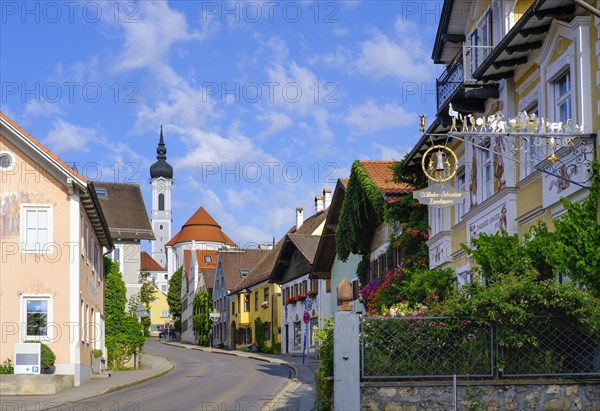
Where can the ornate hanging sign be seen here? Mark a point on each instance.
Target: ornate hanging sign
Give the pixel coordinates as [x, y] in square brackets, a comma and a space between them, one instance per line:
[439, 164]
[440, 195]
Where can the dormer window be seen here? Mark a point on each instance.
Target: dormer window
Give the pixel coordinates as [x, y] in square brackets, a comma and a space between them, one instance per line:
[101, 192]
[208, 259]
[244, 272]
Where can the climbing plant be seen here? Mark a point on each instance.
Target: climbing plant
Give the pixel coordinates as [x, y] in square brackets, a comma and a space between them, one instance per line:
[575, 250]
[364, 209]
[201, 320]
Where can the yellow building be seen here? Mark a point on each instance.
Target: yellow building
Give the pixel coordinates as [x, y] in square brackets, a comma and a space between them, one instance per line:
[254, 297]
[159, 312]
[519, 104]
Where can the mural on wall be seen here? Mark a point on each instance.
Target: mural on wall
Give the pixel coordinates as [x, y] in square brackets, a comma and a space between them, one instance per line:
[10, 206]
[500, 149]
[473, 183]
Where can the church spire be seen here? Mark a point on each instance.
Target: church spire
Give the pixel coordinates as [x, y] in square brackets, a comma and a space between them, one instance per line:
[161, 168]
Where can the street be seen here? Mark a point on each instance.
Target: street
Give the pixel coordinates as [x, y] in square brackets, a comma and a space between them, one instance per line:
[200, 381]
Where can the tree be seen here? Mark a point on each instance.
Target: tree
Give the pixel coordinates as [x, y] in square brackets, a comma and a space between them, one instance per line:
[174, 294]
[201, 320]
[575, 250]
[123, 332]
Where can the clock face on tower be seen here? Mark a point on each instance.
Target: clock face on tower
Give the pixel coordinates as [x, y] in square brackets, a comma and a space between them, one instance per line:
[161, 187]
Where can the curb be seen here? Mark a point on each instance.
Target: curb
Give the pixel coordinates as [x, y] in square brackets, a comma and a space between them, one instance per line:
[293, 369]
[140, 380]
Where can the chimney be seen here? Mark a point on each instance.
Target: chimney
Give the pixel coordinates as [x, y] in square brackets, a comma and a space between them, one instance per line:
[327, 198]
[299, 217]
[318, 204]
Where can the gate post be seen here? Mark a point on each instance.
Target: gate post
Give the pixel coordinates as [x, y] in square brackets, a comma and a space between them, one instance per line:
[346, 353]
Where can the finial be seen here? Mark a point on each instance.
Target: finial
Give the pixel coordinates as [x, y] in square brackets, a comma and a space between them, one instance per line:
[344, 295]
[423, 117]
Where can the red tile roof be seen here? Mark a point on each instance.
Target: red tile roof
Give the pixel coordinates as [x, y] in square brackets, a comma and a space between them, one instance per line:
[147, 263]
[201, 227]
[383, 176]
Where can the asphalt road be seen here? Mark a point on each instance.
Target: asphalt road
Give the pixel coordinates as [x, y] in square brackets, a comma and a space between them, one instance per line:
[200, 381]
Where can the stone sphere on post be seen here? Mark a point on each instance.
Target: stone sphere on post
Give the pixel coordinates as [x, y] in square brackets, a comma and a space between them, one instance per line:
[344, 295]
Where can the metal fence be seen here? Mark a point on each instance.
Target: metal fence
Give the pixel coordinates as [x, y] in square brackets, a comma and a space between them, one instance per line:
[441, 347]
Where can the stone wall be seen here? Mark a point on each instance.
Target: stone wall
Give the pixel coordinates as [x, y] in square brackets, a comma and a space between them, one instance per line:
[29, 384]
[486, 395]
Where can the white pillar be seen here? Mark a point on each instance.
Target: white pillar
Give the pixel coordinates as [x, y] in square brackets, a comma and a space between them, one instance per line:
[346, 361]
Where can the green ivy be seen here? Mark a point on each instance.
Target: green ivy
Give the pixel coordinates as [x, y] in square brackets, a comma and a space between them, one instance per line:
[174, 294]
[201, 320]
[362, 211]
[259, 333]
[123, 332]
[324, 374]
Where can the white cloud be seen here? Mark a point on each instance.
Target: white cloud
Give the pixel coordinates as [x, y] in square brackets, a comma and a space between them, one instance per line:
[41, 108]
[148, 41]
[405, 59]
[235, 152]
[276, 122]
[388, 153]
[64, 137]
[371, 118]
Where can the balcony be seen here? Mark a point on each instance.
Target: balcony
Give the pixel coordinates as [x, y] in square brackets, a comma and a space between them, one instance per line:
[456, 85]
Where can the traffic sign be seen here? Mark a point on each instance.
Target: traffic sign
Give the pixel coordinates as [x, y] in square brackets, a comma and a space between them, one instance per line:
[306, 317]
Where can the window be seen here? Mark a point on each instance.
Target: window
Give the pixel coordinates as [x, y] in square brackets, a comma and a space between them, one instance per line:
[244, 272]
[37, 230]
[246, 303]
[208, 259]
[165, 313]
[255, 300]
[87, 241]
[117, 254]
[297, 335]
[161, 202]
[267, 330]
[163, 288]
[461, 185]
[160, 227]
[101, 192]
[266, 294]
[7, 162]
[233, 307]
[37, 311]
[562, 96]
[488, 171]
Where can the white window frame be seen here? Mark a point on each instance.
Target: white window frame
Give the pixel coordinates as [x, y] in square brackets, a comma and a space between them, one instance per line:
[487, 160]
[49, 317]
[461, 208]
[559, 98]
[38, 248]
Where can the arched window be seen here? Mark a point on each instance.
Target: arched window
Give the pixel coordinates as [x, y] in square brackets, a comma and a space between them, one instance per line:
[161, 202]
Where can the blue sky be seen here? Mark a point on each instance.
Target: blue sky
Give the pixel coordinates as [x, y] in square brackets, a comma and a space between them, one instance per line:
[263, 104]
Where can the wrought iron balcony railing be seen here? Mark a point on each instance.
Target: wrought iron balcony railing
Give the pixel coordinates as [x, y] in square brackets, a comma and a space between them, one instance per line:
[460, 71]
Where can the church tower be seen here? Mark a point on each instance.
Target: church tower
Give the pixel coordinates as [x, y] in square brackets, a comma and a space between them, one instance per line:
[161, 181]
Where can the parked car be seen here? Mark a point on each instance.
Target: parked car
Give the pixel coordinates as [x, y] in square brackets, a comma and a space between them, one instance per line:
[167, 333]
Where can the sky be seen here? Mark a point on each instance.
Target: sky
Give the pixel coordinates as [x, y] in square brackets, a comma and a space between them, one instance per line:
[263, 104]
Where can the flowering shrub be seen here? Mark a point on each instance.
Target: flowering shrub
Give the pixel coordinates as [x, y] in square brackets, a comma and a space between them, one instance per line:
[410, 283]
[264, 304]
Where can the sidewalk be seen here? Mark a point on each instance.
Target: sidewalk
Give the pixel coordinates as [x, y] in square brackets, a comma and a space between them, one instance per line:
[298, 394]
[153, 366]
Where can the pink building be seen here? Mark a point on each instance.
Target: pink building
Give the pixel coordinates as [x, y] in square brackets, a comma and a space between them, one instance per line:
[53, 236]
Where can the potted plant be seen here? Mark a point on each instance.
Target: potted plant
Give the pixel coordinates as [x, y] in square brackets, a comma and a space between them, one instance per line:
[264, 304]
[300, 298]
[290, 300]
[97, 361]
